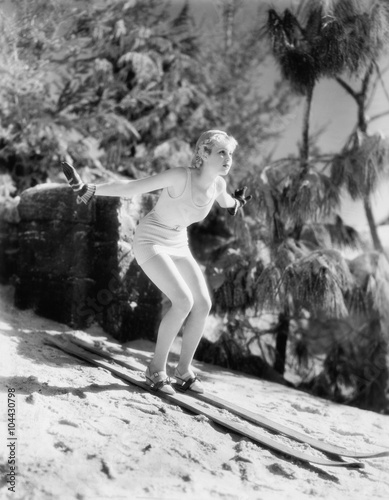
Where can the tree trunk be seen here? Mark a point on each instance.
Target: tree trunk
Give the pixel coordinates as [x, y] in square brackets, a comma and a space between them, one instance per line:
[372, 225]
[304, 153]
[283, 318]
[281, 342]
[361, 98]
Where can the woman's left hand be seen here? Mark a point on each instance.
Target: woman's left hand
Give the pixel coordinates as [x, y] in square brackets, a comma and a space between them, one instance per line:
[240, 196]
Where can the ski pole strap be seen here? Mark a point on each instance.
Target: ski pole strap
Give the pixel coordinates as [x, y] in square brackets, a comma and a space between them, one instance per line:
[86, 193]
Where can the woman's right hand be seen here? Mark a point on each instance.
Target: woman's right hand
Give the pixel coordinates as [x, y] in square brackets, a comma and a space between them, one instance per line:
[84, 191]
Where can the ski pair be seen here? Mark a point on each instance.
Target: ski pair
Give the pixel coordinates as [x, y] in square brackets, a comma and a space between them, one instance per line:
[213, 399]
[83, 350]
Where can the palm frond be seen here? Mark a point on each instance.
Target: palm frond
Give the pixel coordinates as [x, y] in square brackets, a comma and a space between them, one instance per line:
[304, 198]
[343, 235]
[294, 33]
[315, 281]
[362, 267]
[362, 31]
[331, 47]
[292, 53]
[300, 68]
[276, 32]
[362, 166]
[378, 287]
[337, 37]
[232, 277]
[318, 283]
[331, 198]
[309, 196]
[379, 33]
[316, 236]
[371, 290]
[286, 254]
[313, 25]
[268, 290]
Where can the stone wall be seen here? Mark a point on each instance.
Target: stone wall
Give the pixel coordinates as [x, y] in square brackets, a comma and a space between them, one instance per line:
[9, 248]
[76, 264]
[127, 304]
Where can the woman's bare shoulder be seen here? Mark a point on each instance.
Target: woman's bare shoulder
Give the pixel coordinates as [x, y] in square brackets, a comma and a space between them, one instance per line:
[174, 175]
[221, 184]
[178, 177]
[181, 172]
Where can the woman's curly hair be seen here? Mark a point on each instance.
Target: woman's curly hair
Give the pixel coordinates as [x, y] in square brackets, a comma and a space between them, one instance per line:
[205, 143]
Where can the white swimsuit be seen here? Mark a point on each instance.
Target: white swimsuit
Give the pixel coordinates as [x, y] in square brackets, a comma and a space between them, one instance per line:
[164, 229]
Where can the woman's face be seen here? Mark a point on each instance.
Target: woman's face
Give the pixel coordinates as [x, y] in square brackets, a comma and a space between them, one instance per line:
[219, 161]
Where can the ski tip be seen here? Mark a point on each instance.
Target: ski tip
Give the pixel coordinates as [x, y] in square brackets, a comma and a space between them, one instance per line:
[381, 454]
[355, 465]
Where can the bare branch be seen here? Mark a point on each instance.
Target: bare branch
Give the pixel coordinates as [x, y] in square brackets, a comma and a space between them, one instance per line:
[379, 115]
[347, 88]
[377, 80]
[382, 82]
[366, 79]
[373, 91]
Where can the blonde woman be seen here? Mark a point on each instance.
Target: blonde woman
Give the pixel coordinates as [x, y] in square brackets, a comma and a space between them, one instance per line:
[161, 245]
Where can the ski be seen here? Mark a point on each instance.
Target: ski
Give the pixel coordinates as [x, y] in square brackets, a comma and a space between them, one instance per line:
[255, 418]
[187, 403]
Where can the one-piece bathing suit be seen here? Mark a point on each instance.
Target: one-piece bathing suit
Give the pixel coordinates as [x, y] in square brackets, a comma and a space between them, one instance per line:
[164, 229]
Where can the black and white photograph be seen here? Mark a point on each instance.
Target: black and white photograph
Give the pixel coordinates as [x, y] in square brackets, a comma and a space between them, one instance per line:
[194, 249]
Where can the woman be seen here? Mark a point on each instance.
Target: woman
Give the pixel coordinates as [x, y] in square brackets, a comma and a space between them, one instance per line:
[161, 245]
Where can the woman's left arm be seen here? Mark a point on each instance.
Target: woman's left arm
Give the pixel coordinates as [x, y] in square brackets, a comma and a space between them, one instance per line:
[224, 199]
[231, 202]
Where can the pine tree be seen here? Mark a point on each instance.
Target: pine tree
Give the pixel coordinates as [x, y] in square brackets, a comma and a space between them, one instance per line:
[97, 84]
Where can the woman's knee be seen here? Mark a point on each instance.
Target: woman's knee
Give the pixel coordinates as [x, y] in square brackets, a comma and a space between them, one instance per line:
[183, 302]
[202, 304]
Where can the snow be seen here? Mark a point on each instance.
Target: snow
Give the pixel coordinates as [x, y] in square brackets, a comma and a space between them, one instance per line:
[83, 434]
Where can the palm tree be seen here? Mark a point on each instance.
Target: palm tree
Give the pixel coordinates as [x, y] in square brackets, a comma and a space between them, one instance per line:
[335, 40]
[364, 160]
[321, 39]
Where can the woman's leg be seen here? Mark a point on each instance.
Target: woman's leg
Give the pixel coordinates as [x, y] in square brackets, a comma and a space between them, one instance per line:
[194, 327]
[164, 273]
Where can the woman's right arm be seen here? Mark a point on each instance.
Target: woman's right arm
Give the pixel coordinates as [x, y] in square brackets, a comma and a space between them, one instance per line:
[175, 177]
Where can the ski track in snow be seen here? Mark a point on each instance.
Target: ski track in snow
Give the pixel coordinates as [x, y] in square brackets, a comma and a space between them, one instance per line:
[85, 435]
